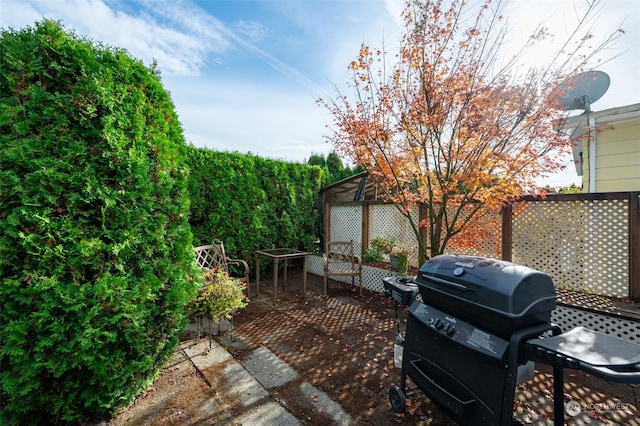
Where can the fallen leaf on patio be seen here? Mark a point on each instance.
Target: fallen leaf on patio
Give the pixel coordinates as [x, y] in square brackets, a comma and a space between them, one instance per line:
[314, 397]
[398, 417]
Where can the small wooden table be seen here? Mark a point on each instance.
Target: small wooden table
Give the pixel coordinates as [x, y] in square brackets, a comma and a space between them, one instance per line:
[278, 254]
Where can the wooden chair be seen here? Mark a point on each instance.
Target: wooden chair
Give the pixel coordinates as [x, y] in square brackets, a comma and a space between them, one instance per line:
[341, 261]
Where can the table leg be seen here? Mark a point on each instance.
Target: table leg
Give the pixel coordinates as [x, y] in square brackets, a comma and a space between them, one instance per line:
[304, 275]
[284, 278]
[257, 275]
[275, 280]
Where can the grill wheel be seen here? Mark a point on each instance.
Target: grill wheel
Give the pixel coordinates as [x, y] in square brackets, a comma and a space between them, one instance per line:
[396, 396]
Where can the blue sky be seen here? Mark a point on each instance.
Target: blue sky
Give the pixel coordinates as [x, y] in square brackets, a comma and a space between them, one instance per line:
[244, 75]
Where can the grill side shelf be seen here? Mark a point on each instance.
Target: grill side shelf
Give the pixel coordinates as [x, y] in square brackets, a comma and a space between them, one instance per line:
[605, 356]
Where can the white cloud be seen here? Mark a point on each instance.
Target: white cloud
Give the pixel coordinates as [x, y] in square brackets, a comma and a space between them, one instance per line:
[251, 29]
[395, 8]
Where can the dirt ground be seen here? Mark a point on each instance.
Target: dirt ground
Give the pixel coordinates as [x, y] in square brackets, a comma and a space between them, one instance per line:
[343, 345]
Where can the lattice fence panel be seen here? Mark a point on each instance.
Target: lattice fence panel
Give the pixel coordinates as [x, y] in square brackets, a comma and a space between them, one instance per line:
[489, 246]
[386, 221]
[346, 225]
[569, 318]
[582, 244]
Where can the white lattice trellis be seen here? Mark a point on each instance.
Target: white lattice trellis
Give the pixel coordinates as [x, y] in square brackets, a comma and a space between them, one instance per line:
[346, 225]
[386, 221]
[582, 244]
[488, 246]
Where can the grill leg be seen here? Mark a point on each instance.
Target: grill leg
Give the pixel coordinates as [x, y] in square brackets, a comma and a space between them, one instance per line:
[506, 416]
[558, 396]
[403, 379]
[403, 374]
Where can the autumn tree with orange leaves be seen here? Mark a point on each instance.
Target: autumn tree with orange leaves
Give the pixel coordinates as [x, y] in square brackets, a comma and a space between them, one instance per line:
[453, 123]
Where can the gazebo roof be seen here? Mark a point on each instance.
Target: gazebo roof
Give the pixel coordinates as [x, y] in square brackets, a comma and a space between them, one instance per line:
[359, 187]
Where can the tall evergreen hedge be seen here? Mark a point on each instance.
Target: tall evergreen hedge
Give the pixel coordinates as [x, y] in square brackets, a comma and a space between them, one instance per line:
[253, 203]
[96, 260]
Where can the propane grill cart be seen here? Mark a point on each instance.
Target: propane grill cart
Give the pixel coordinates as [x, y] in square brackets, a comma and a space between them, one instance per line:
[476, 326]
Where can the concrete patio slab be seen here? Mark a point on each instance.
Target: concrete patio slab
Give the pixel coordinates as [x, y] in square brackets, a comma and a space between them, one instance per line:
[268, 369]
[325, 404]
[242, 385]
[270, 413]
[204, 356]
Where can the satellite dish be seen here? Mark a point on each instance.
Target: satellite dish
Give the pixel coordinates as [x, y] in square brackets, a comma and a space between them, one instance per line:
[581, 90]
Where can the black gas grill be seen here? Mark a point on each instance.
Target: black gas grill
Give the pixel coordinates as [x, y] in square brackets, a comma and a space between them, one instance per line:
[474, 327]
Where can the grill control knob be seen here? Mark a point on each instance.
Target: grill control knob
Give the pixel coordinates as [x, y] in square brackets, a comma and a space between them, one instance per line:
[438, 323]
[449, 329]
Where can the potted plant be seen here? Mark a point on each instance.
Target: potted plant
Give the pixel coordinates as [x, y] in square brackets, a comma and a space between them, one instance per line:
[220, 297]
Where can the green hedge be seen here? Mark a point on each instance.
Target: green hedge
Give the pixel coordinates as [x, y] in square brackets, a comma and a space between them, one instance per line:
[252, 203]
[96, 259]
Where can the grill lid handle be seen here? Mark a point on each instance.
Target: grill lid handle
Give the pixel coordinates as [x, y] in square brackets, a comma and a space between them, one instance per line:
[454, 286]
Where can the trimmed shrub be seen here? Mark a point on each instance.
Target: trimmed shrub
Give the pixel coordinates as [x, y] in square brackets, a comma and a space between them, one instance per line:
[96, 254]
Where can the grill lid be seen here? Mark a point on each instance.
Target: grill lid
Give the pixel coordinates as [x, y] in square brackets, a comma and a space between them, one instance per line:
[499, 295]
